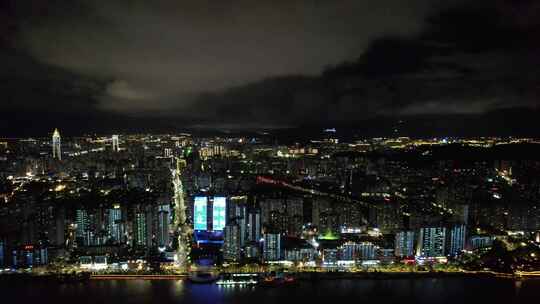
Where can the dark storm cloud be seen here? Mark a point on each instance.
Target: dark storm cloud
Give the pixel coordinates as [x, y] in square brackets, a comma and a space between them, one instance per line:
[484, 58]
[161, 55]
[269, 63]
[467, 60]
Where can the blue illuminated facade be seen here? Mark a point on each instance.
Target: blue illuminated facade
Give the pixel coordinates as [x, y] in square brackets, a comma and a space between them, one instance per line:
[218, 213]
[200, 213]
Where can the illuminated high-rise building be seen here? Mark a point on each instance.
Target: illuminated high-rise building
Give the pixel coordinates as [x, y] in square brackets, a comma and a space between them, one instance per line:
[358, 251]
[237, 213]
[114, 224]
[272, 247]
[295, 212]
[56, 145]
[231, 243]
[115, 143]
[431, 242]
[457, 239]
[163, 226]
[218, 213]
[367, 250]
[200, 213]
[140, 229]
[81, 220]
[253, 226]
[404, 244]
[86, 232]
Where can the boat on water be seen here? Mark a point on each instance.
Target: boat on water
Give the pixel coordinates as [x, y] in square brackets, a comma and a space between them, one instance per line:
[228, 279]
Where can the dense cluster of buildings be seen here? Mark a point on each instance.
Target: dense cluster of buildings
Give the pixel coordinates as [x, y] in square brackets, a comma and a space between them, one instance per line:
[323, 203]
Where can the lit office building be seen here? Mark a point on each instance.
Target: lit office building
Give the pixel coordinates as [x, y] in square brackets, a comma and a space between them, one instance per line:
[218, 213]
[457, 240]
[82, 231]
[300, 254]
[404, 244]
[272, 247]
[295, 216]
[114, 224]
[231, 243]
[163, 226]
[253, 226]
[200, 213]
[237, 212]
[348, 251]
[140, 229]
[367, 251]
[358, 251]
[431, 242]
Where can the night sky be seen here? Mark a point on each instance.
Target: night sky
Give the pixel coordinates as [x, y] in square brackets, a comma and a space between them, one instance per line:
[439, 67]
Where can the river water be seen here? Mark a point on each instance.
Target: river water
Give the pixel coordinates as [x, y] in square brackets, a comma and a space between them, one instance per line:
[418, 290]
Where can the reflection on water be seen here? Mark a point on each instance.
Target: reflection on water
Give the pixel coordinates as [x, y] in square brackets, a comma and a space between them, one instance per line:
[432, 291]
[517, 285]
[178, 289]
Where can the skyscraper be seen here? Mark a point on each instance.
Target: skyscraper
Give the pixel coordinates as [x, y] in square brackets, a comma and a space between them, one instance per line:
[115, 143]
[86, 229]
[231, 243]
[218, 213]
[56, 145]
[81, 219]
[431, 242]
[115, 224]
[295, 213]
[457, 239]
[253, 226]
[404, 244]
[163, 226]
[237, 213]
[200, 213]
[140, 229]
[272, 247]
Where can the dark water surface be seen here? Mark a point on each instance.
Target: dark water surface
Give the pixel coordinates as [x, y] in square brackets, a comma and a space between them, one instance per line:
[424, 290]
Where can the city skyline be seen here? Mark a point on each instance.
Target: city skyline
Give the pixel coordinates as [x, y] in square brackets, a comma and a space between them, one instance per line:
[270, 151]
[250, 212]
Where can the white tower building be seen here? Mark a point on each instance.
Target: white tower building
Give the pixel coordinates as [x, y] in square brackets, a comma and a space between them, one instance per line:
[115, 143]
[56, 145]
